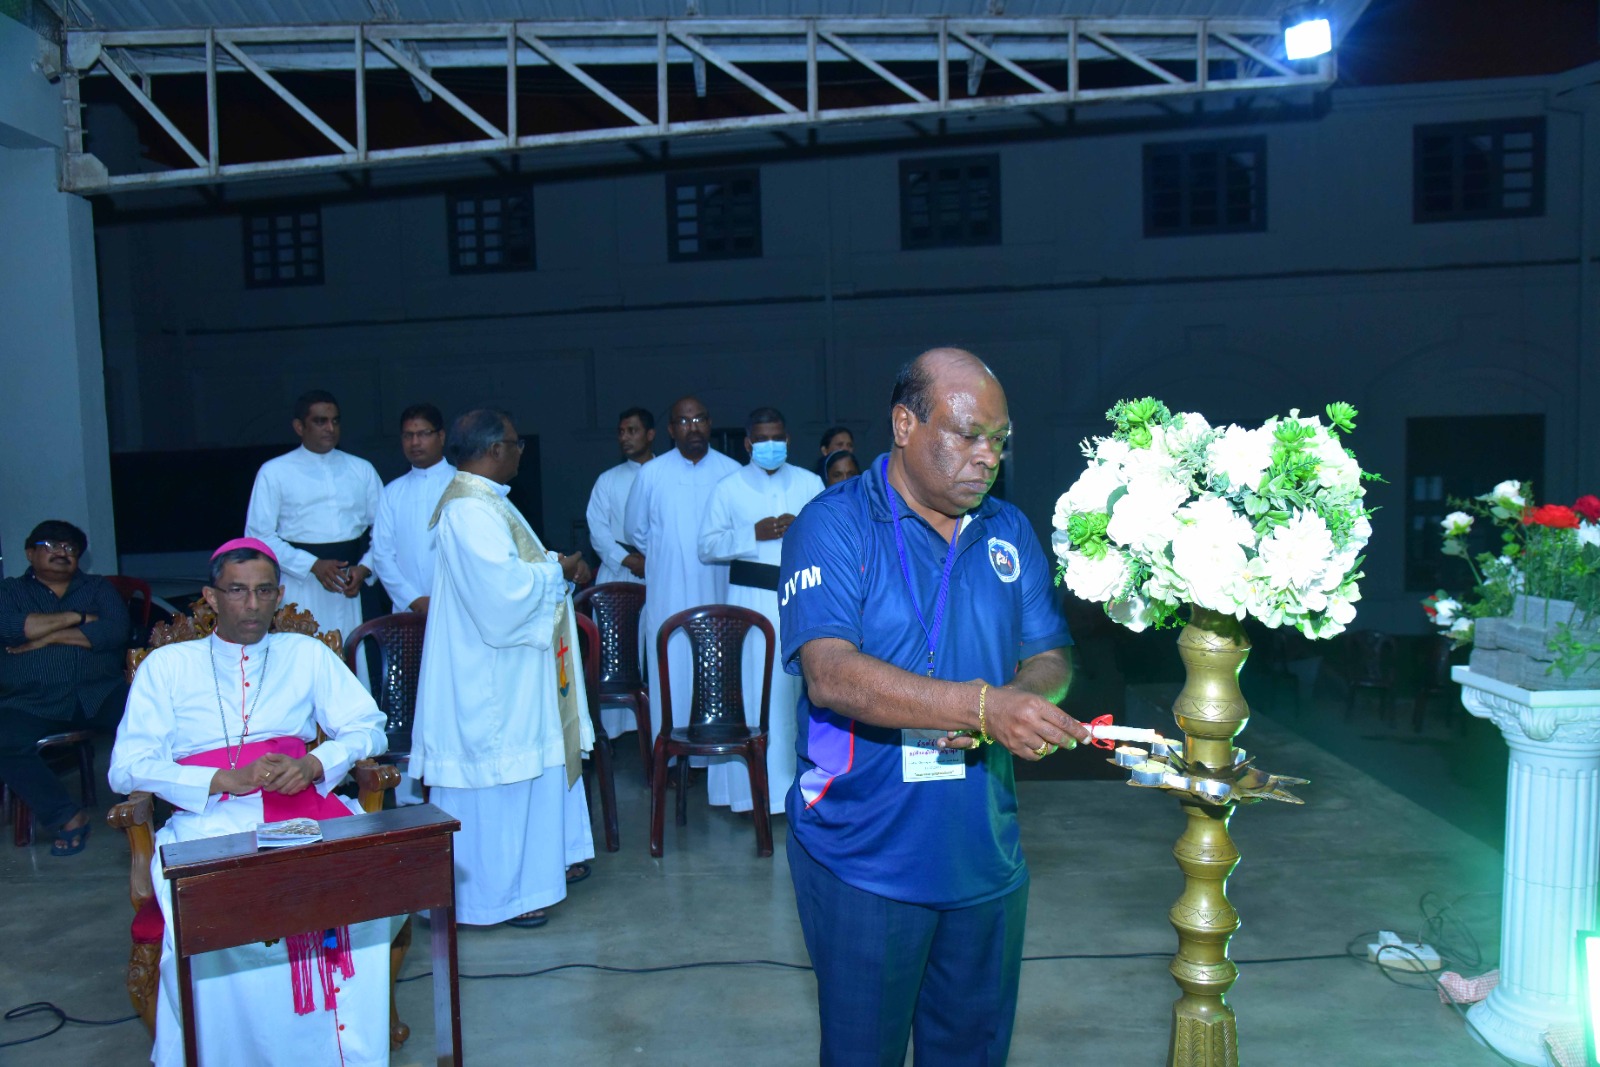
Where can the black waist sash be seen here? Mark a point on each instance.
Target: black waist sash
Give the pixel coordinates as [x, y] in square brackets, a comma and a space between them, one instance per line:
[350, 551]
[754, 575]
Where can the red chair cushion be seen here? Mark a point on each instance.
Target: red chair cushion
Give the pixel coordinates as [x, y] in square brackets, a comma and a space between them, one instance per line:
[148, 925]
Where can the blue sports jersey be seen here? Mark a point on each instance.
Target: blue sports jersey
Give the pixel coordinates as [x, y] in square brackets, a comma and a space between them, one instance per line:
[947, 843]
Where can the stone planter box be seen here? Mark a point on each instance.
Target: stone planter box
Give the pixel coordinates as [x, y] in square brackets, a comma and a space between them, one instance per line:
[1513, 649]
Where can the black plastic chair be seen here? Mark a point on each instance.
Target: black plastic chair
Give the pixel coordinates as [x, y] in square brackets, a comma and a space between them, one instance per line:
[398, 641]
[615, 608]
[600, 767]
[717, 724]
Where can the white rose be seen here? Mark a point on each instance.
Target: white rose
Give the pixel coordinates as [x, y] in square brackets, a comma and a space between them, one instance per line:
[1134, 612]
[1095, 579]
[1507, 494]
[1457, 524]
[1146, 516]
[1090, 492]
[1296, 555]
[1241, 456]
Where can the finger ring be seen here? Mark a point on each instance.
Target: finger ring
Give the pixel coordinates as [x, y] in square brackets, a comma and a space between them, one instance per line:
[1043, 750]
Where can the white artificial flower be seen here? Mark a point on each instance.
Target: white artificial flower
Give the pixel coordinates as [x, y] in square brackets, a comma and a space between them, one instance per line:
[1296, 555]
[1461, 629]
[1096, 580]
[1241, 456]
[1188, 429]
[1090, 492]
[1457, 524]
[1208, 551]
[1155, 462]
[1336, 469]
[1165, 585]
[1588, 534]
[1446, 610]
[1134, 612]
[1507, 494]
[1146, 516]
[1342, 604]
[1110, 450]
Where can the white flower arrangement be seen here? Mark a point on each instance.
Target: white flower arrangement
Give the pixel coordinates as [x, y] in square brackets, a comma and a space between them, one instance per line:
[1267, 521]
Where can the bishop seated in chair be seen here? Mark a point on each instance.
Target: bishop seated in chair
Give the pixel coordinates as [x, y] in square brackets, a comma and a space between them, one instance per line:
[219, 728]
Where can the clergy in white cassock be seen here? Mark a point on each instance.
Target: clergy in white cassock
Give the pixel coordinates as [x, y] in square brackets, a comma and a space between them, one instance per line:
[314, 507]
[219, 727]
[744, 526]
[502, 718]
[668, 499]
[402, 542]
[636, 436]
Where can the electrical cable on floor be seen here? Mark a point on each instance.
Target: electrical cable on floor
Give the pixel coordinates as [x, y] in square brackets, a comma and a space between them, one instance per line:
[62, 1019]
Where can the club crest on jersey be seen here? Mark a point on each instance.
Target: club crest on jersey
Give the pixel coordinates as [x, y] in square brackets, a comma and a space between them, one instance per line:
[1004, 559]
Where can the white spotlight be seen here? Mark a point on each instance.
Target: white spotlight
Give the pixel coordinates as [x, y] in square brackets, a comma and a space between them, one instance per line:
[1307, 33]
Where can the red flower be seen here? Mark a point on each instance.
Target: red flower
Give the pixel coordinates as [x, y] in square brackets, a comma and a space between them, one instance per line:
[1588, 506]
[1553, 515]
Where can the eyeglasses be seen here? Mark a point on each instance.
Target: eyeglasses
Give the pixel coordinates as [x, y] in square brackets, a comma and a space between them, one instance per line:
[691, 420]
[520, 442]
[66, 547]
[418, 435]
[236, 594]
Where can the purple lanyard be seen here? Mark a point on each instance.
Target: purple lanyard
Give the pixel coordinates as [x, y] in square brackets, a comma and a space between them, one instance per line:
[932, 635]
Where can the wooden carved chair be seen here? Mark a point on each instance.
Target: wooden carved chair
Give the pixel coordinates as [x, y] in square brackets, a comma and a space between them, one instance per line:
[717, 724]
[136, 818]
[615, 608]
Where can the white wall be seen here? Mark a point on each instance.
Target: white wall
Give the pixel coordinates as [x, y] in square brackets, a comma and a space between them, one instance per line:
[1341, 298]
[53, 442]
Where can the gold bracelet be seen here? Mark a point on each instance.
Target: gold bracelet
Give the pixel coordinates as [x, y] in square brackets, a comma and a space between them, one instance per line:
[983, 729]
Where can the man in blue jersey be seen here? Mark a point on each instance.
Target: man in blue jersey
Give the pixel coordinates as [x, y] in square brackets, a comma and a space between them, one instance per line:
[922, 619]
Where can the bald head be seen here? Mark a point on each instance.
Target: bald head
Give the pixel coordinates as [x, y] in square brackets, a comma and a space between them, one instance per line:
[938, 372]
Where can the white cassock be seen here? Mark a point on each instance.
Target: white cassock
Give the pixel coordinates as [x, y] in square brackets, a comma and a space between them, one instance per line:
[728, 533]
[608, 502]
[244, 1009]
[665, 506]
[315, 499]
[487, 738]
[402, 543]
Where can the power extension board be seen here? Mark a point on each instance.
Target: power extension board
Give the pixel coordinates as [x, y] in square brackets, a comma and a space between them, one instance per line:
[1397, 955]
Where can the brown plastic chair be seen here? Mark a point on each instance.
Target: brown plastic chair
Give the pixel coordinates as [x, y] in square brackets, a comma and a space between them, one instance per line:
[717, 724]
[615, 608]
[599, 768]
[398, 639]
[128, 588]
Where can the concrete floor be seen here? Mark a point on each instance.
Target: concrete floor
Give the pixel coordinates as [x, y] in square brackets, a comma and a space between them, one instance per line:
[1357, 857]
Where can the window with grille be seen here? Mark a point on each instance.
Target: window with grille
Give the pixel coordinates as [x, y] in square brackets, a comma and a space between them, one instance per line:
[1200, 187]
[714, 216]
[283, 248]
[492, 232]
[949, 203]
[1478, 170]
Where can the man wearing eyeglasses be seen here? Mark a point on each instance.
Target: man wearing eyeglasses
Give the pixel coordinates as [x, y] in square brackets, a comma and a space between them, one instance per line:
[64, 633]
[402, 543]
[662, 520]
[314, 507]
[502, 714]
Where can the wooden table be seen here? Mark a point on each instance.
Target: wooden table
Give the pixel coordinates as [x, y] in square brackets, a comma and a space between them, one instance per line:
[225, 893]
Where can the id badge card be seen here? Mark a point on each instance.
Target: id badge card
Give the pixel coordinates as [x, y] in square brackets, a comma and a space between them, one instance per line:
[921, 760]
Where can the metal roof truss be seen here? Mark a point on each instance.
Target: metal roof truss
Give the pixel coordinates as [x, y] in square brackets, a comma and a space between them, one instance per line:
[1179, 57]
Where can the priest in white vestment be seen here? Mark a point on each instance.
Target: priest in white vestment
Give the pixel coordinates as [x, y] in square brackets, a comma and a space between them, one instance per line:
[502, 717]
[744, 526]
[608, 501]
[402, 541]
[668, 500]
[218, 727]
[314, 507]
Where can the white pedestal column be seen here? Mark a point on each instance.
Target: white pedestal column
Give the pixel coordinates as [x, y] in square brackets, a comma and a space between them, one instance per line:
[1551, 857]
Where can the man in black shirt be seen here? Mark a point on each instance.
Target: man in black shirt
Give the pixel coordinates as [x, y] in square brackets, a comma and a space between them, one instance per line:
[65, 634]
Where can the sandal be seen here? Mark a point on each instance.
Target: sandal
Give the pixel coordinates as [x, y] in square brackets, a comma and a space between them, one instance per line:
[577, 873]
[529, 921]
[71, 842]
